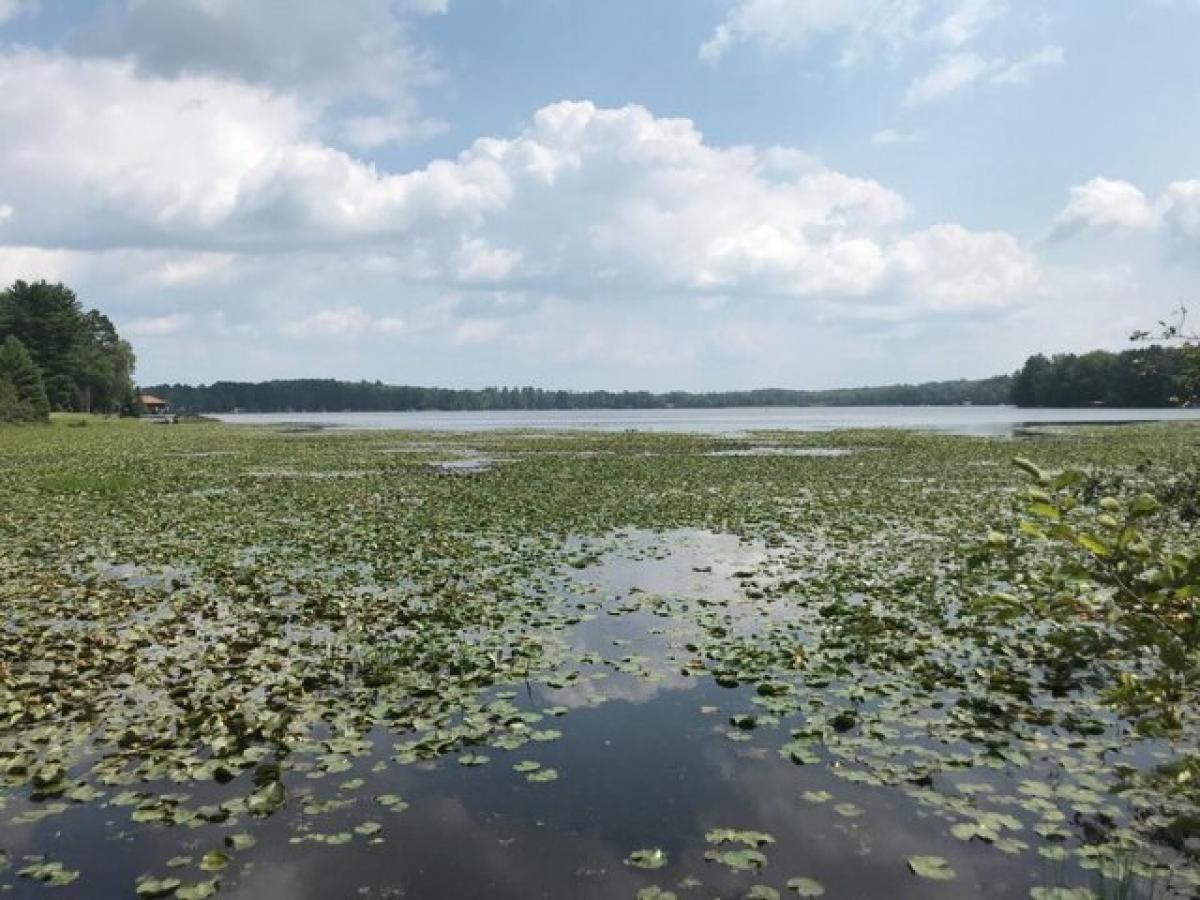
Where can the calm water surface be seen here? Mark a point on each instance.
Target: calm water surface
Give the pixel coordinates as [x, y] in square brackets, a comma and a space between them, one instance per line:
[974, 420]
[645, 760]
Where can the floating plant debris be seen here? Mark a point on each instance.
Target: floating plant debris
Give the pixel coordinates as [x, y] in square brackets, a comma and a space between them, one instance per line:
[241, 663]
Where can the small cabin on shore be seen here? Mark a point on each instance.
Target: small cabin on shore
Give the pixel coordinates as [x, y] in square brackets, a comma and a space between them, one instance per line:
[154, 406]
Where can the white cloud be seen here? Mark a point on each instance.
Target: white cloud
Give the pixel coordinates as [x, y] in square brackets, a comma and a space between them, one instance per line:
[154, 326]
[952, 73]
[396, 127]
[1101, 204]
[477, 261]
[34, 263]
[949, 268]
[476, 331]
[354, 51]
[1023, 70]
[1180, 209]
[10, 9]
[195, 161]
[965, 23]
[1105, 205]
[195, 268]
[6, 212]
[348, 323]
[583, 201]
[337, 51]
[861, 26]
[957, 71]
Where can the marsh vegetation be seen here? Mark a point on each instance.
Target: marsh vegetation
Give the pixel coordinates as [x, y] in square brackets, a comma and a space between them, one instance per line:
[258, 663]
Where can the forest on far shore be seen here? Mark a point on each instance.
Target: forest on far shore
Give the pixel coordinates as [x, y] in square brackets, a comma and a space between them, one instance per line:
[57, 356]
[329, 395]
[1153, 376]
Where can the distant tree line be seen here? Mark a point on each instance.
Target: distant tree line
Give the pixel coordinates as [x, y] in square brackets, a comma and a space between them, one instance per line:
[1145, 377]
[55, 355]
[328, 395]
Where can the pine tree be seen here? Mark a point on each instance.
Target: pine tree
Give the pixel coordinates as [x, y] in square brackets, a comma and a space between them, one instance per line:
[84, 363]
[18, 369]
[11, 408]
[47, 319]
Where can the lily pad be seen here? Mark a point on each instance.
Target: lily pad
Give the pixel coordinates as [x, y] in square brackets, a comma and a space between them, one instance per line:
[653, 858]
[932, 867]
[806, 887]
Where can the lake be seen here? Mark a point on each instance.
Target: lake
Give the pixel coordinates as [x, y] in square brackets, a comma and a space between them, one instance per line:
[973, 420]
[272, 664]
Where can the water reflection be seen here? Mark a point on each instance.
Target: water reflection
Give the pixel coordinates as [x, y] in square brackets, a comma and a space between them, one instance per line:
[647, 758]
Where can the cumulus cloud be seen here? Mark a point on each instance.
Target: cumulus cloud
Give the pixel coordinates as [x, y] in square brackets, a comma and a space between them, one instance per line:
[194, 161]
[1102, 204]
[1180, 211]
[352, 52]
[950, 268]
[861, 26]
[1105, 205]
[583, 199]
[10, 9]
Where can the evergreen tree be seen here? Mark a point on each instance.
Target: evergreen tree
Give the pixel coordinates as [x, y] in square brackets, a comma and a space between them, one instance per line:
[11, 408]
[103, 365]
[84, 364]
[46, 319]
[27, 399]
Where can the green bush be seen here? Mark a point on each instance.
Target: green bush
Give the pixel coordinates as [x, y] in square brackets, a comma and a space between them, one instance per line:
[1123, 594]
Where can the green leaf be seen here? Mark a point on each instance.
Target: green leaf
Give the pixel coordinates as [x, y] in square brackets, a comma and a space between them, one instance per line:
[1029, 528]
[738, 860]
[656, 893]
[1143, 505]
[157, 887]
[214, 860]
[654, 858]
[933, 867]
[1030, 468]
[1092, 544]
[806, 887]
[200, 890]
[1045, 510]
[721, 836]
[240, 841]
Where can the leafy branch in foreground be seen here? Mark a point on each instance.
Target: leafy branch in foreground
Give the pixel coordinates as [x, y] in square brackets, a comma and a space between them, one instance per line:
[1121, 595]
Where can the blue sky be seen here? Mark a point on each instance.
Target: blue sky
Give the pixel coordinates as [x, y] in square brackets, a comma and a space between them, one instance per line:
[695, 194]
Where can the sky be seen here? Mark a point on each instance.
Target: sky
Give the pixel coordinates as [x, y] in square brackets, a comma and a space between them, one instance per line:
[677, 194]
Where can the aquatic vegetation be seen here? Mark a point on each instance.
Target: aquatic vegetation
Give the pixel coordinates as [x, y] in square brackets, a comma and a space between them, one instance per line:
[874, 659]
